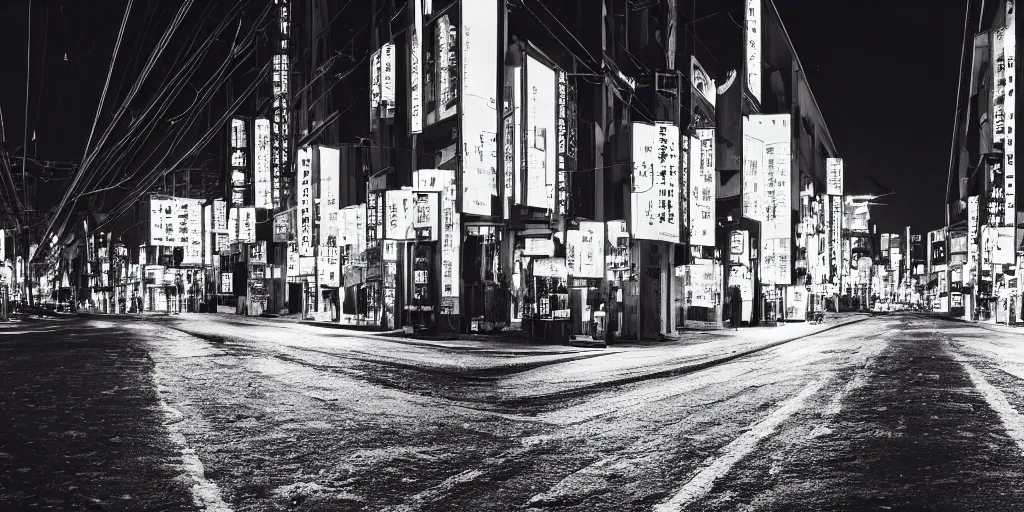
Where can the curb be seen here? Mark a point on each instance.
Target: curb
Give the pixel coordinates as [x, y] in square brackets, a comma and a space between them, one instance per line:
[981, 325]
[354, 328]
[674, 372]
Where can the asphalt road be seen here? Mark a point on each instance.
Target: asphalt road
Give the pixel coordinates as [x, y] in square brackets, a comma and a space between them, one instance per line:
[898, 412]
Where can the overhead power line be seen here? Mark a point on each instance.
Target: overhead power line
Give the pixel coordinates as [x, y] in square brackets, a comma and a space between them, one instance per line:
[99, 108]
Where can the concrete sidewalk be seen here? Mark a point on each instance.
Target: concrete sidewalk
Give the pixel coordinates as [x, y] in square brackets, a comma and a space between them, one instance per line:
[628, 364]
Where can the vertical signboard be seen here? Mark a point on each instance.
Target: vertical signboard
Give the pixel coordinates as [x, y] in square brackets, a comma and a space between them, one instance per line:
[191, 210]
[280, 162]
[261, 166]
[387, 79]
[208, 235]
[279, 182]
[3, 245]
[239, 140]
[479, 118]
[702, 188]
[375, 81]
[776, 233]
[247, 225]
[510, 149]
[399, 216]
[584, 251]
[973, 226]
[329, 267]
[834, 182]
[685, 168]
[1009, 111]
[753, 44]
[416, 69]
[160, 229]
[753, 162]
[220, 215]
[836, 236]
[655, 166]
[540, 137]
[446, 65]
[304, 212]
[451, 233]
[561, 188]
[330, 178]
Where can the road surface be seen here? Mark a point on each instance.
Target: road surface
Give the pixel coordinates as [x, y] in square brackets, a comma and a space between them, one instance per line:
[894, 412]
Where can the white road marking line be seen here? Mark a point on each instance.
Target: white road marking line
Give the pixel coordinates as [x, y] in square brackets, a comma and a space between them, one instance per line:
[835, 406]
[205, 494]
[702, 482]
[1012, 420]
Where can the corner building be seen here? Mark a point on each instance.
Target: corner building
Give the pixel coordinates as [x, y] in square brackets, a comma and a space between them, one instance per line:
[578, 167]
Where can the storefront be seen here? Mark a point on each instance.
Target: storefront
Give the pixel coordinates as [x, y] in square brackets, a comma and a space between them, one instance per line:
[547, 313]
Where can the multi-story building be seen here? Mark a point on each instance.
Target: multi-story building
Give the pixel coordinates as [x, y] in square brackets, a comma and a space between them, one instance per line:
[983, 207]
[549, 163]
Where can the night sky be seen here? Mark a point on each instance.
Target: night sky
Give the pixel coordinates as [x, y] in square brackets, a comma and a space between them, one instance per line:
[883, 72]
[885, 75]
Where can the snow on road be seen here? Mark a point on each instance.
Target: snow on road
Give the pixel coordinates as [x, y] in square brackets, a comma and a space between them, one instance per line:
[268, 397]
[718, 466]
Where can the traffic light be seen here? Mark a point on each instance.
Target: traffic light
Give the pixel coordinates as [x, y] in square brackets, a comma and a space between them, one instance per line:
[179, 255]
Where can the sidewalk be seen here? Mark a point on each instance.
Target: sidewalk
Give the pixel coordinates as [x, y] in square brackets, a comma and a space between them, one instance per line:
[640, 362]
[991, 326]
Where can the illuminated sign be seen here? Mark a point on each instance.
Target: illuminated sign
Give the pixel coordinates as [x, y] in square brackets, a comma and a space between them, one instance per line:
[329, 267]
[261, 168]
[739, 248]
[246, 224]
[190, 228]
[387, 79]
[753, 43]
[446, 68]
[399, 214]
[540, 137]
[451, 231]
[772, 194]
[239, 158]
[973, 226]
[258, 253]
[561, 192]
[584, 251]
[834, 180]
[375, 81]
[208, 235]
[479, 117]
[1009, 111]
[220, 215]
[701, 285]
[655, 169]
[330, 178]
[836, 235]
[702, 188]
[304, 211]
[279, 159]
[753, 162]
[1003, 246]
[426, 213]
[161, 225]
[416, 69]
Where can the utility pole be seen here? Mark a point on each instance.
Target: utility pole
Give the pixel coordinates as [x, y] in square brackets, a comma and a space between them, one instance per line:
[24, 160]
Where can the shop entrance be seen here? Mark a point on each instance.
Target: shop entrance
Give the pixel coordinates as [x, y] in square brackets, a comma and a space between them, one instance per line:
[652, 308]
